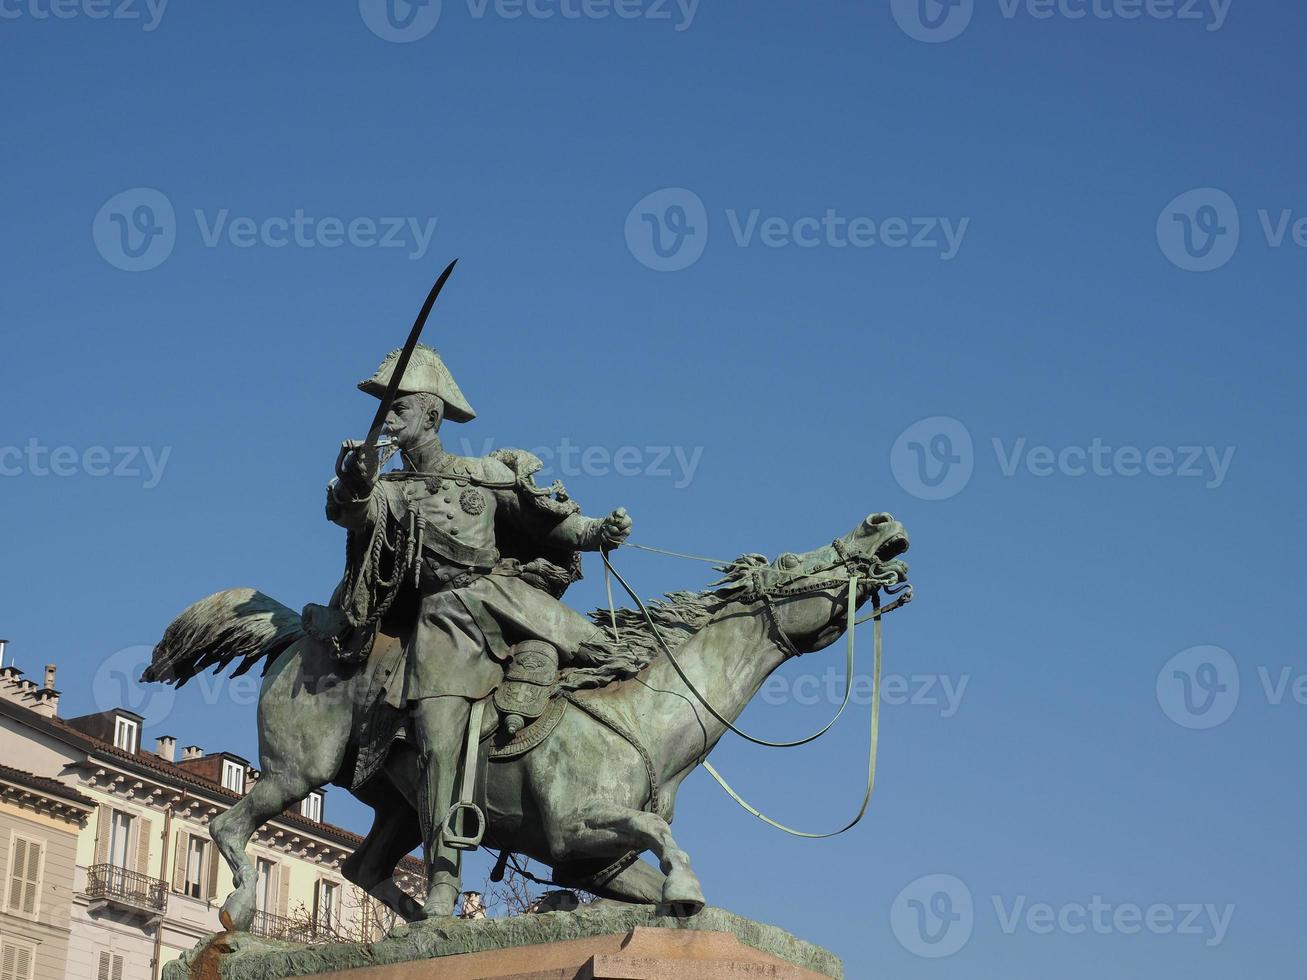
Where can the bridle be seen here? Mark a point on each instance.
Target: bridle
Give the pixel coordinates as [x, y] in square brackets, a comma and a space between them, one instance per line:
[856, 566]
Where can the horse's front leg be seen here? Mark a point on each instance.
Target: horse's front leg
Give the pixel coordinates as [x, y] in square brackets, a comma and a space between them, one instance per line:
[614, 829]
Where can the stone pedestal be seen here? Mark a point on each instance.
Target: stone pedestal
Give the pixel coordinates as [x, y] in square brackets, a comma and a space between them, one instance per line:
[641, 954]
[588, 944]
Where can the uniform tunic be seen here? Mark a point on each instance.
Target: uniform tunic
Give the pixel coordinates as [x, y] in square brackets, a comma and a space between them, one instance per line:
[448, 532]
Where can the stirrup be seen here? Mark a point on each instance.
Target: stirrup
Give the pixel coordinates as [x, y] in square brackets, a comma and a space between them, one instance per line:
[461, 842]
[466, 803]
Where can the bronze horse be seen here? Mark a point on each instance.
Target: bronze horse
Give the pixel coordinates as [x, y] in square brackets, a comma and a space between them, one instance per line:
[600, 789]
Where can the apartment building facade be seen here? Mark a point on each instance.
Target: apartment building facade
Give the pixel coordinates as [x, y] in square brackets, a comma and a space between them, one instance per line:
[133, 878]
[40, 822]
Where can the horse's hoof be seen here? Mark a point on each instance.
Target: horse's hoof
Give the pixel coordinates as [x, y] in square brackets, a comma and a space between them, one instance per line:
[682, 894]
[237, 914]
[684, 910]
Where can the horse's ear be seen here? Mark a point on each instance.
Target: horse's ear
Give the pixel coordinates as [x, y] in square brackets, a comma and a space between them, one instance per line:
[748, 561]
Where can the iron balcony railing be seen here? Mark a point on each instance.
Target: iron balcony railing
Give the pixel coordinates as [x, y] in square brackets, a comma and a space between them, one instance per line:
[268, 925]
[126, 887]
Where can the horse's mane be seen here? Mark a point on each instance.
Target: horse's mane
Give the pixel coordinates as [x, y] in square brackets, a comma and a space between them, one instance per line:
[677, 616]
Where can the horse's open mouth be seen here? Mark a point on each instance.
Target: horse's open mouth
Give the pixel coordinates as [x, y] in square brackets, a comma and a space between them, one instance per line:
[893, 547]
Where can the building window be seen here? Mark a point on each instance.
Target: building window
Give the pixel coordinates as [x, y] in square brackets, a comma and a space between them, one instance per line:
[16, 961]
[311, 807]
[24, 876]
[126, 734]
[196, 851]
[111, 967]
[325, 899]
[120, 839]
[265, 893]
[233, 776]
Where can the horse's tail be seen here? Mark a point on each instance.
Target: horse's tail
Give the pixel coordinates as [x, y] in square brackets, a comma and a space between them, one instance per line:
[239, 624]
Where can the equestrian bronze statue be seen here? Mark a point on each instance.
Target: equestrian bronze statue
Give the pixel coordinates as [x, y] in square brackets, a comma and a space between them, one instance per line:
[446, 684]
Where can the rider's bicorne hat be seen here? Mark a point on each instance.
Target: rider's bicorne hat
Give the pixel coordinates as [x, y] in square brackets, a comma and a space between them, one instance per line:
[426, 374]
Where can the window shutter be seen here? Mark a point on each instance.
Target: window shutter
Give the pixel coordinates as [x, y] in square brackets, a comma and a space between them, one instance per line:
[15, 962]
[283, 889]
[18, 875]
[211, 881]
[181, 852]
[32, 883]
[117, 968]
[103, 972]
[103, 831]
[144, 824]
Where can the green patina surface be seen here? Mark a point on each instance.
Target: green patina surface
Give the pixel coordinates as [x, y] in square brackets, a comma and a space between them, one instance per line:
[255, 959]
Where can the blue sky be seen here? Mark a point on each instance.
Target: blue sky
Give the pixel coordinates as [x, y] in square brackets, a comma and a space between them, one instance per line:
[1029, 280]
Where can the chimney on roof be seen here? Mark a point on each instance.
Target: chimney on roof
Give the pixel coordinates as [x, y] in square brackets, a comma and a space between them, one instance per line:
[4, 645]
[192, 752]
[165, 747]
[45, 701]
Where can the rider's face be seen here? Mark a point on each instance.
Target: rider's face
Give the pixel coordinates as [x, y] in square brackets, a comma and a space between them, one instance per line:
[410, 421]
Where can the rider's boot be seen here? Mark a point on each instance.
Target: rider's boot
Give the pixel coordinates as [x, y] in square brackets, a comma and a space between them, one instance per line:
[442, 895]
[442, 726]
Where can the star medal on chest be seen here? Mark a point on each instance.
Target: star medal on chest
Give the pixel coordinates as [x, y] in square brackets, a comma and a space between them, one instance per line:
[472, 501]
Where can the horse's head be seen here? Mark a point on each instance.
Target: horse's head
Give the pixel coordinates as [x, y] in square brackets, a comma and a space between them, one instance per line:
[809, 589]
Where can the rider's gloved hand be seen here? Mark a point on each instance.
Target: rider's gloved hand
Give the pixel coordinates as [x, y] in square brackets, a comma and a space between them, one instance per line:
[615, 528]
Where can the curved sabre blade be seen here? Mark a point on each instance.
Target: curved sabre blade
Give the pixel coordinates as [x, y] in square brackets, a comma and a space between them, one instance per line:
[405, 355]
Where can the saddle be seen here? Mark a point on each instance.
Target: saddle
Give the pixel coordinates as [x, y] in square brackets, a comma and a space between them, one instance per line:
[516, 724]
[529, 681]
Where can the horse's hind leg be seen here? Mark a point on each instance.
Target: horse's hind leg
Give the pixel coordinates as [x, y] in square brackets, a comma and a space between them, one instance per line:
[304, 725]
[272, 794]
[612, 829]
[395, 831]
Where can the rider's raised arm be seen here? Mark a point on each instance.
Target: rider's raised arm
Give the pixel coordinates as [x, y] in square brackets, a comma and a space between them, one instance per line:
[350, 495]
